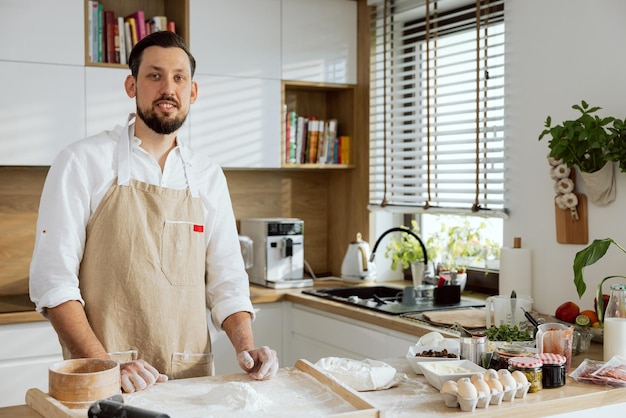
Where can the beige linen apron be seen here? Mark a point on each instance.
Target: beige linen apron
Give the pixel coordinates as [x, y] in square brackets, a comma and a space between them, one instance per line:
[142, 274]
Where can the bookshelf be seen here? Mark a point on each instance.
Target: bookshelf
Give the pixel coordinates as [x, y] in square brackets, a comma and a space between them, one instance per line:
[323, 102]
[175, 10]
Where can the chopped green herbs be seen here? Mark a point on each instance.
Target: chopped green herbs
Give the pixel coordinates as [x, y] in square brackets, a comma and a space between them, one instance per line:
[507, 333]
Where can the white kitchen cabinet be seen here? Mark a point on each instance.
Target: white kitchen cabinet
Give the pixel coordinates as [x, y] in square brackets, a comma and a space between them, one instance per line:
[236, 121]
[319, 40]
[26, 352]
[42, 31]
[238, 38]
[267, 329]
[42, 111]
[315, 334]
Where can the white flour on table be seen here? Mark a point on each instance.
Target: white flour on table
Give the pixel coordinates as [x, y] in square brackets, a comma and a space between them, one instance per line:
[290, 393]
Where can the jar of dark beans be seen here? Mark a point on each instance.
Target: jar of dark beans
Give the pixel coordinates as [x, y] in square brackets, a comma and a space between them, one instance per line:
[553, 369]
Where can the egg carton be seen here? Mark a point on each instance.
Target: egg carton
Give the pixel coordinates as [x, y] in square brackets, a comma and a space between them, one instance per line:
[459, 394]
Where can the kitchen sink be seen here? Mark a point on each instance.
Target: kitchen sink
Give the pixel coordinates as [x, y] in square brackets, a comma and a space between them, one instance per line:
[384, 299]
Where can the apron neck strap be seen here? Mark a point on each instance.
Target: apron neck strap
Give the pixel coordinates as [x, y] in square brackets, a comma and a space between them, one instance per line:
[125, 152]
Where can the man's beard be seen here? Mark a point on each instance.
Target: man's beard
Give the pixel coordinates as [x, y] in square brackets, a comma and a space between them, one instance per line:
[160, 125]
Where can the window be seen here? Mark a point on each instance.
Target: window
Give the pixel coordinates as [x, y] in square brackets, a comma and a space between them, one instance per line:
[437, 107]
[437, 115]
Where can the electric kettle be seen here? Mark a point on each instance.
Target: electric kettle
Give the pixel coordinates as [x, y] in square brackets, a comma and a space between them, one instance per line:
[356, 266]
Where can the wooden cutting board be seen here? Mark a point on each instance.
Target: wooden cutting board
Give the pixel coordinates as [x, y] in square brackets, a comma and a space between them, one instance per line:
[316, 382]
[467, 318]
[569, 230]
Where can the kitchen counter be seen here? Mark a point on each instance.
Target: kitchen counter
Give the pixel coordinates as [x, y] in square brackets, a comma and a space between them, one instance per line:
[415, 397]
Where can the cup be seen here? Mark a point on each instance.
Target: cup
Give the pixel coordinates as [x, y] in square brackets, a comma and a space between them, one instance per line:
[409, 295]
[556, 338]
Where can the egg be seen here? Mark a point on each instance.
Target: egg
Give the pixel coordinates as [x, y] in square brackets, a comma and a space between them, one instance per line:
[507, 379]
[467, 390]
[450, 386]
[482, 387]
[520, 377]
[494, 383]
[491, 374]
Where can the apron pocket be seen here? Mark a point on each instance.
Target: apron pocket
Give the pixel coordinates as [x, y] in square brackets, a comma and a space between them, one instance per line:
[182, 253]
[186, 365]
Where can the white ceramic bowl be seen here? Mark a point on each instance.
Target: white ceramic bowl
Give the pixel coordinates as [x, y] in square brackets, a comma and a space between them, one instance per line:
[436, 373]
[415, 361]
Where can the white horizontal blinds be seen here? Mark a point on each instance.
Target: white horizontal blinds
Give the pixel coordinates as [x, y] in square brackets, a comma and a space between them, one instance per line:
[437, 105]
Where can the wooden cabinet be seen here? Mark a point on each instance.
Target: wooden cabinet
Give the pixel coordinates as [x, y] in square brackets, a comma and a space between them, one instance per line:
[267, 329]
[26, 352]
[314, 334]
[319, 41]
[41, 31]
[236, 38]
[42, 112]
[175, 10]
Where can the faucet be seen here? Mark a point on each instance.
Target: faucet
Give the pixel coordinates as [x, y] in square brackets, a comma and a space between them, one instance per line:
[400, 229]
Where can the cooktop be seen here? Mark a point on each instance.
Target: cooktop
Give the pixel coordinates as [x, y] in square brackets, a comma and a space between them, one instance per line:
[385, 299]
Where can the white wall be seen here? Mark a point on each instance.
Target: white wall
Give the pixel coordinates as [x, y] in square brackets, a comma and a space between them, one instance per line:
[560, 52]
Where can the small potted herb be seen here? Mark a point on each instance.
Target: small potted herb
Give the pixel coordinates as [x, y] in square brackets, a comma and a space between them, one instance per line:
[406, 252]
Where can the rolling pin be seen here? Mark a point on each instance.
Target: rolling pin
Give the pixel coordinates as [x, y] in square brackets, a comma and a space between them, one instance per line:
[114, 408]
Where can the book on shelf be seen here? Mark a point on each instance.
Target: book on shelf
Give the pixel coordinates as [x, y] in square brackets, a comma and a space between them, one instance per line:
[344, 150]
[121, 41]
[140, 24]
[308, 140]
[109, 36]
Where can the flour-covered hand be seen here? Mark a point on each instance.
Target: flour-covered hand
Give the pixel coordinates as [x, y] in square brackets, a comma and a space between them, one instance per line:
[139, 375]
[260, 363]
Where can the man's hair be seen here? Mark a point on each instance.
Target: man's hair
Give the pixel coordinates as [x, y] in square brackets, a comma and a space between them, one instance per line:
[164, 39]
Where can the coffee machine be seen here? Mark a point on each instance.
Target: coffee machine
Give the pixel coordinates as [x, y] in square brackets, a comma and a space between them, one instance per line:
[278, 252]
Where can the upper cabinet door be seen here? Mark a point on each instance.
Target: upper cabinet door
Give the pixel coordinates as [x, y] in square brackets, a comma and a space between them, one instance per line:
[42, 112]
[236, 121]
[319, 40]
[42, 31]
[238, 38]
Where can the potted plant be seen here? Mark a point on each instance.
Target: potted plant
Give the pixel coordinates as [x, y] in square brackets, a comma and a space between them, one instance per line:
[584, 142]
[586, 257]
[406, 252]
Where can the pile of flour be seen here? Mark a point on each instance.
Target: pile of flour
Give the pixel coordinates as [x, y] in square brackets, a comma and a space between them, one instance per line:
[236, 396]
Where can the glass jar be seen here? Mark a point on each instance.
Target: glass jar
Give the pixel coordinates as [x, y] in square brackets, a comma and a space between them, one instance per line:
[531, 367]
[553, 370]
[614, 339]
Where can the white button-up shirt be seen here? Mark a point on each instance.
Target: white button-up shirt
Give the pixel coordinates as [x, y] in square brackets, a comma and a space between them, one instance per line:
[76, 183]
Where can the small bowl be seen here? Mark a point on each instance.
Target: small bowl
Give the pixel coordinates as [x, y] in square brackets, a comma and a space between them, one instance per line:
[436, 373]
[78, 383]
[415, 361]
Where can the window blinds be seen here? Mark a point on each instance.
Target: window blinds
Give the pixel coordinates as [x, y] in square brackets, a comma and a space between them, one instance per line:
[437, 106]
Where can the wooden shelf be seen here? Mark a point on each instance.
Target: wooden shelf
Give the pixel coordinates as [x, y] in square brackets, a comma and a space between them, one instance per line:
[175, 10]
[322, 101]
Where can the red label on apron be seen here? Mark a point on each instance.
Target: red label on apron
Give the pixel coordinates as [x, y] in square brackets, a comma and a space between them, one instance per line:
[198, 228]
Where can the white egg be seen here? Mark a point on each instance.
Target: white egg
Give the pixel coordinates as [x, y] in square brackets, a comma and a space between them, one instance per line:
[519, 377]
[491, 374]
[495, 384]
[482, 387]
[467, 390]
[450, 386]
[506, 379]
